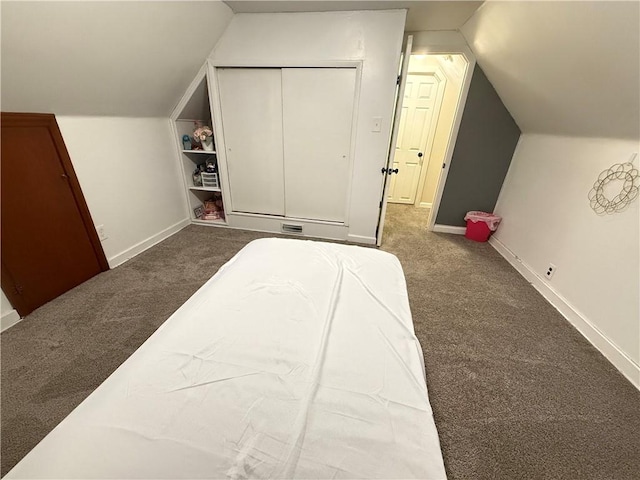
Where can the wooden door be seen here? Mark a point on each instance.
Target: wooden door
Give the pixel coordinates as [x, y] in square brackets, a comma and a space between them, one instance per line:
[317, 123]
[417, 122]
[251, 104]
[49, 243]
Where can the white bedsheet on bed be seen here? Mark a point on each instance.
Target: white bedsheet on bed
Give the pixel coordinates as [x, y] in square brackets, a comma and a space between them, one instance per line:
[298, 359]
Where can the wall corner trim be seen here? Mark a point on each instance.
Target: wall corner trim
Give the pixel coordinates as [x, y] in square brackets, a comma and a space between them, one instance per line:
[449, 229]
[140, 247]
[617, 357]
[9, 319]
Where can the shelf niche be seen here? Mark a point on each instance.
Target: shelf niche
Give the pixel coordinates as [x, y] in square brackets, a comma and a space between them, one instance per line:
[195, 108]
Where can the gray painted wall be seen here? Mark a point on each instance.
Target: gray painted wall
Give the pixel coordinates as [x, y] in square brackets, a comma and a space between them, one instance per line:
[486, 141]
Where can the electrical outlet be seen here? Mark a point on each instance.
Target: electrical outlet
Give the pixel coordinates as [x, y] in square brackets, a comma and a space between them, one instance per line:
[101, 233]
[551, 269]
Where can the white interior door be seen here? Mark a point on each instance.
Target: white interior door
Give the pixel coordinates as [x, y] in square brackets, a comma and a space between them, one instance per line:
[317, 121]
[416, 122]
[251, 104]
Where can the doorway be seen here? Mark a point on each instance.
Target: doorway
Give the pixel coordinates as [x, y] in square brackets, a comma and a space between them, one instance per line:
[431, 106]
[420, 110]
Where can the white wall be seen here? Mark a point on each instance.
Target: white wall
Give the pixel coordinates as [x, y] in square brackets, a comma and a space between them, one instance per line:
[8, 316]
[130, 179]
[5, 305]
[547, 219]
[375, 38]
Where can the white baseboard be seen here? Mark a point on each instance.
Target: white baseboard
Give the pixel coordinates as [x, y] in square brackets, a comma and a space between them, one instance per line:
[425, 205]
[9, 319]
[138, 248]
[449, 229]
[617, 357]
[361, 239]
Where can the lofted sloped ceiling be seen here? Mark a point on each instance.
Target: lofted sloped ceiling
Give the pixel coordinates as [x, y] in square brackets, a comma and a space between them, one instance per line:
[563, 68]
[119, 58]
[421, 15]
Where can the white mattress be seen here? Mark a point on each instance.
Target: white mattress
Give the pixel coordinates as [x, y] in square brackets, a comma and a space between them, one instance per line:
[298, 359]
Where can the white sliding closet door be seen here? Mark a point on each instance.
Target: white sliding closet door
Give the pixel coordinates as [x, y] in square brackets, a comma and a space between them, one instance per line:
[317, 121]
[251, 103]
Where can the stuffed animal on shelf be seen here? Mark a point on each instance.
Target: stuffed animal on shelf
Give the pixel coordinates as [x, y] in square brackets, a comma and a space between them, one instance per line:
[214, 208]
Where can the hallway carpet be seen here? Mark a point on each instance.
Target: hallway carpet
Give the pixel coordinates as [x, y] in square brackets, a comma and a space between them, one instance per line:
[517, 393]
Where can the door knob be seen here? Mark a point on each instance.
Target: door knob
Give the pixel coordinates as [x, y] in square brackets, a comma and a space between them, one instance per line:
[419, 154]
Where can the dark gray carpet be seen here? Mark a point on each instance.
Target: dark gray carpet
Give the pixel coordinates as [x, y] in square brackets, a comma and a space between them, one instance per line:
[517, 393]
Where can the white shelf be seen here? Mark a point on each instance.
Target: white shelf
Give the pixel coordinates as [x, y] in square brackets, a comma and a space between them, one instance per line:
[200, 152]
[209, 222]
[205, 189]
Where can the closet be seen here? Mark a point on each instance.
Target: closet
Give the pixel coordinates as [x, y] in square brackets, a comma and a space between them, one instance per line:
[288, 140]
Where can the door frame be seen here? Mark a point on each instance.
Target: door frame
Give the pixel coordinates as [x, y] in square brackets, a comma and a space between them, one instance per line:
[455, 128]
[439, 44]
[393, 140]
[48, 120]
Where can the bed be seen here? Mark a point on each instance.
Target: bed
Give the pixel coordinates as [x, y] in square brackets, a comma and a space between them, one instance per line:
[297, 359]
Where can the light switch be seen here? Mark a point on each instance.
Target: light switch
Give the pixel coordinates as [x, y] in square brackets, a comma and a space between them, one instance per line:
[376, 125]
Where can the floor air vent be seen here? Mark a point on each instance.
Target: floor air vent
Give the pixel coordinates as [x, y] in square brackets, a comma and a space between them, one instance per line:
[290, 228]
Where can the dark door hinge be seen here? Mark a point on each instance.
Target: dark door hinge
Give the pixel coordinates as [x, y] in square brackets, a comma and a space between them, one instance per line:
[398, 80]
[444, 165]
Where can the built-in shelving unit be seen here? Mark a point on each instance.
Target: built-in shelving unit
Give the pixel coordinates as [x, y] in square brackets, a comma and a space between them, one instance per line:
[195, 110]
